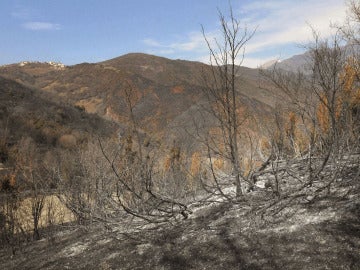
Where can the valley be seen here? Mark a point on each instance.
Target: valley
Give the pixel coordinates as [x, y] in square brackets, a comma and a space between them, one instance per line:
[140, 161]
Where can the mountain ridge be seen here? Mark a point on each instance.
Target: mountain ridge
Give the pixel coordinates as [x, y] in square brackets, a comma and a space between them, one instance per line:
[165, 94]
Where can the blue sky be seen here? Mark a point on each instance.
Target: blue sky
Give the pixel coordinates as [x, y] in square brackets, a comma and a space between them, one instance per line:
[76, 31]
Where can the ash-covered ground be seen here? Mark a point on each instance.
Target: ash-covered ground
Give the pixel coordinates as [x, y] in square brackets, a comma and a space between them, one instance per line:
[321, 234]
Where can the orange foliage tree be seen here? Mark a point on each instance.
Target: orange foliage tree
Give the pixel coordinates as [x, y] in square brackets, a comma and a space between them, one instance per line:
[343, 115]
[350, 96]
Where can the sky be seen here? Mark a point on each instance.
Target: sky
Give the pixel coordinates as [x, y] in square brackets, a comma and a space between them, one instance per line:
[77, 31]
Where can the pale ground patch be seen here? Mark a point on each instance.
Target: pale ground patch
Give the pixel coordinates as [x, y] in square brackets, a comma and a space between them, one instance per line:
[74, 250]
[141, 249]
[103, 242]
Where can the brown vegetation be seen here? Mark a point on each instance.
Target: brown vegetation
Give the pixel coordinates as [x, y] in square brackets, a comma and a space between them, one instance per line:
[148, 163]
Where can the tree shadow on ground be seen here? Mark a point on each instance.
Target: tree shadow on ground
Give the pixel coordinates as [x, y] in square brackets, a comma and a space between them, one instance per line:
[329, 244]
[346, 234]
[215, 240]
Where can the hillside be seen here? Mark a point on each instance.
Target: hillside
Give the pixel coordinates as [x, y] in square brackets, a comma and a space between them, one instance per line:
[165, 94]
[145, 162]
[288, 218]
[27, 112]
[152, 77]
[322, 234]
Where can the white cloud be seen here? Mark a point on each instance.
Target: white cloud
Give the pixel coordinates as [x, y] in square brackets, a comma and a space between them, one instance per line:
[151, 42]
[286, 22]
[192, 42]
[38, 26]
[195, 41]
[279, 23]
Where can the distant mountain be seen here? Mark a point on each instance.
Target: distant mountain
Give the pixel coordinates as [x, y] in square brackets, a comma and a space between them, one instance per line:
[300, 62]
[165, 94]
[269, 64]
[303, 62]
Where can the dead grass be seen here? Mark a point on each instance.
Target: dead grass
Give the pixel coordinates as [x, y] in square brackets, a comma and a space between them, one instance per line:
[54, 213]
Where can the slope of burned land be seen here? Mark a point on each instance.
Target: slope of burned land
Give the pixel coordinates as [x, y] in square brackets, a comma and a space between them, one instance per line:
[322, 233]
[28, 112]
